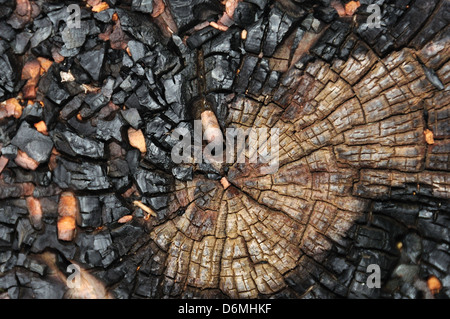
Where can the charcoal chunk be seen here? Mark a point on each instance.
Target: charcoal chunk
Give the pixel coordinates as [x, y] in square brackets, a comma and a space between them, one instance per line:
[72, 144]
[112, 209]
[124, 237]
[21, 42]
[84, 176]
[152, 182]
[133, 117]
[142, 6]
[110, 129]
[91, 211]
[245, 14]
[36, 145]
[92, 62]
[183, 173]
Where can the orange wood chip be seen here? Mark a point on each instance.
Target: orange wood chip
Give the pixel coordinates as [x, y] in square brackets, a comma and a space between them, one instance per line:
[220, 27]
[158, 8]
[45, 63]
[434, 284]
[41, 127]
[351, 7]
[23, 160]
[35, 210]
[429, 136]
[68, 212]
[3, 162]
[145, 208]
[137, 139]
[100, 7]
[125, 219]
[12, 108]
[225, 183]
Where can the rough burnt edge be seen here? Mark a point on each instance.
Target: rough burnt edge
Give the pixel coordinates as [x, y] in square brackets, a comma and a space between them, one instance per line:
[360, 182]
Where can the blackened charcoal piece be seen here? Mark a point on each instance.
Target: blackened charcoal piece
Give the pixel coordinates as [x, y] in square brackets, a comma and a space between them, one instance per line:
[82, 128]
[157, 127]
[96, 249]
[21, 41]
[259, 77]
[113, 209]
[44, 30]
[220, 72]
[91, 211]
[6, 236]
[219, 105]
[104, 16]
[326, 14]
[56, 93]
[255, 34]
[74, 145]
[133, 117]
[49, 239]
[260, 3]
[118, 168]
[176, 113]
[4, 45]
[26, 234]
[183, 173]
[74, 37]
[158, 156]
[130, 83]
[92, 61]
[6, 31]
[47, 289]
[152, 182]
[32, 112]
[10, 151]
[95, 101]
[146, 100]
[71, 108]
[8, 280]
[142, 6]
[133, 157]
[8, 76]
[84, 176]
[110, 129]
[279, 24]
[182, 11]
[201, 36]
[10, 213]
[36, 145]
[245, 73]
[124, 237]
[172, 88]
[245, 14]
[120, 97]
[51, 87]
[140, 27]
[223, 43]
[137, 50]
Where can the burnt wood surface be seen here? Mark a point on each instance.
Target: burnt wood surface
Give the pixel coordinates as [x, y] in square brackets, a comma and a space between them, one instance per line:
[364, 130]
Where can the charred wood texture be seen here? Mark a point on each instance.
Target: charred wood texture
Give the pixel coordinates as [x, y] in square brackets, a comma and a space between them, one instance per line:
[87, 177]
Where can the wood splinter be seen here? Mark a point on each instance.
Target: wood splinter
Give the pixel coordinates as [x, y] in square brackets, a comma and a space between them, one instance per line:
[145, 208]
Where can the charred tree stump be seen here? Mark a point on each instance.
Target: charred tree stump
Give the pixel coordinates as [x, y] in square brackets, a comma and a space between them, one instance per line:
[356, 103]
